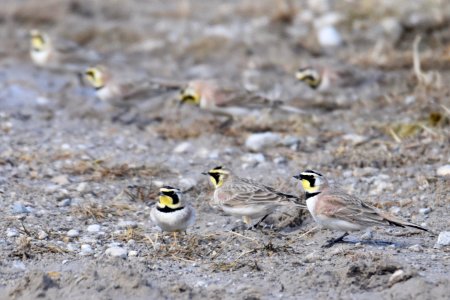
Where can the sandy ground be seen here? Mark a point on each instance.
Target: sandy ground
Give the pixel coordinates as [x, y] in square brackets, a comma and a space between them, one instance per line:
[65, 165]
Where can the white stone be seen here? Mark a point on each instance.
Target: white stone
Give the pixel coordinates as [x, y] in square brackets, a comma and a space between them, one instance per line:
[94, 228]
[73, 233]
[415, 248]
[127, 224]
[19, 208]
[42, 235]
[253, 158]
[328, 36]
[116, 252]
[443, 171]
[12, 232]
[65, 202]
[72, 247]
[60, 179]
[258, 141]
[183, 147]
[425, 210]
[444, 238]
[81, 187]
[86, 250]
[355, 139]
[132, 253]
[398, 276]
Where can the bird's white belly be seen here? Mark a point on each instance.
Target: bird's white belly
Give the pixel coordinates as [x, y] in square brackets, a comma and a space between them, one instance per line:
[107, 94]
[336, 224]
[40, 58]
[249, 211]
[311, 204]
[177, 220]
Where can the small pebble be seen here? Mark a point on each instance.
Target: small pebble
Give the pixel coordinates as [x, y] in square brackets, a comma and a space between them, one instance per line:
[258, 141]
[425, 211]
[127, 224]
[398, 276]
[72, 247]
[81, 187]
[116, 252]
[443, 171]
[415, 248]
[183, 147]
[12, 232]
[60, 179]
[93, 228]
[132, 253]
[42, 235]
[86, 250]
[253, 158]
[65, 202]
[328, 36]
[444, 238]
[73, 233]
[19, 208]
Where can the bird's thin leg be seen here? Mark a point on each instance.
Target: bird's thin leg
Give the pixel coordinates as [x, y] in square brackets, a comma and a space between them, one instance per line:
[122, 112]
[227, 123]
[175, 240]
[259, 222]
[331, 242]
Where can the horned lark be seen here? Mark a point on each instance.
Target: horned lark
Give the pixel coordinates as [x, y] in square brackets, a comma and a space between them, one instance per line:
[324, 79]
[111, 89]
[334, 209]
[67, 56]
[208, 95]
[171, 213]
[241, 197]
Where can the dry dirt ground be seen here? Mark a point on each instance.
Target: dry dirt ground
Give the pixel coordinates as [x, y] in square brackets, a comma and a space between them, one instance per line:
[65, 165]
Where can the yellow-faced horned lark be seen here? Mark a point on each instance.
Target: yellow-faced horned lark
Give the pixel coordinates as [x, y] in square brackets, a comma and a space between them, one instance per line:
[208, 95]
[334, 209]
[324, 79]
[111, 89]
[246, 198]
[67, 57]
[171, 213]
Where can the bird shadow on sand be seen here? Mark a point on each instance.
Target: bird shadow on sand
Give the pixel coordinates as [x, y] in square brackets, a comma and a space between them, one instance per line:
[377, 242]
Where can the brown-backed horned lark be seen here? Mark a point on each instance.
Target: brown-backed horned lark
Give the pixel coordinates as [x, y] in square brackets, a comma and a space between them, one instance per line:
[246, 198]
[111, 89]
[44, 53]
[208, 95]
[334, 209]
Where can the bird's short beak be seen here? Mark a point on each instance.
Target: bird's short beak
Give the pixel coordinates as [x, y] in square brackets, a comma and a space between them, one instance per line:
[205, 173]
[297, 177]
[160, 194]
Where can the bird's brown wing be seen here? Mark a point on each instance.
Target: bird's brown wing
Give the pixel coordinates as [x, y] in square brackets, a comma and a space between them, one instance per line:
[340, 205]
[248, 192]
[242, 98]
